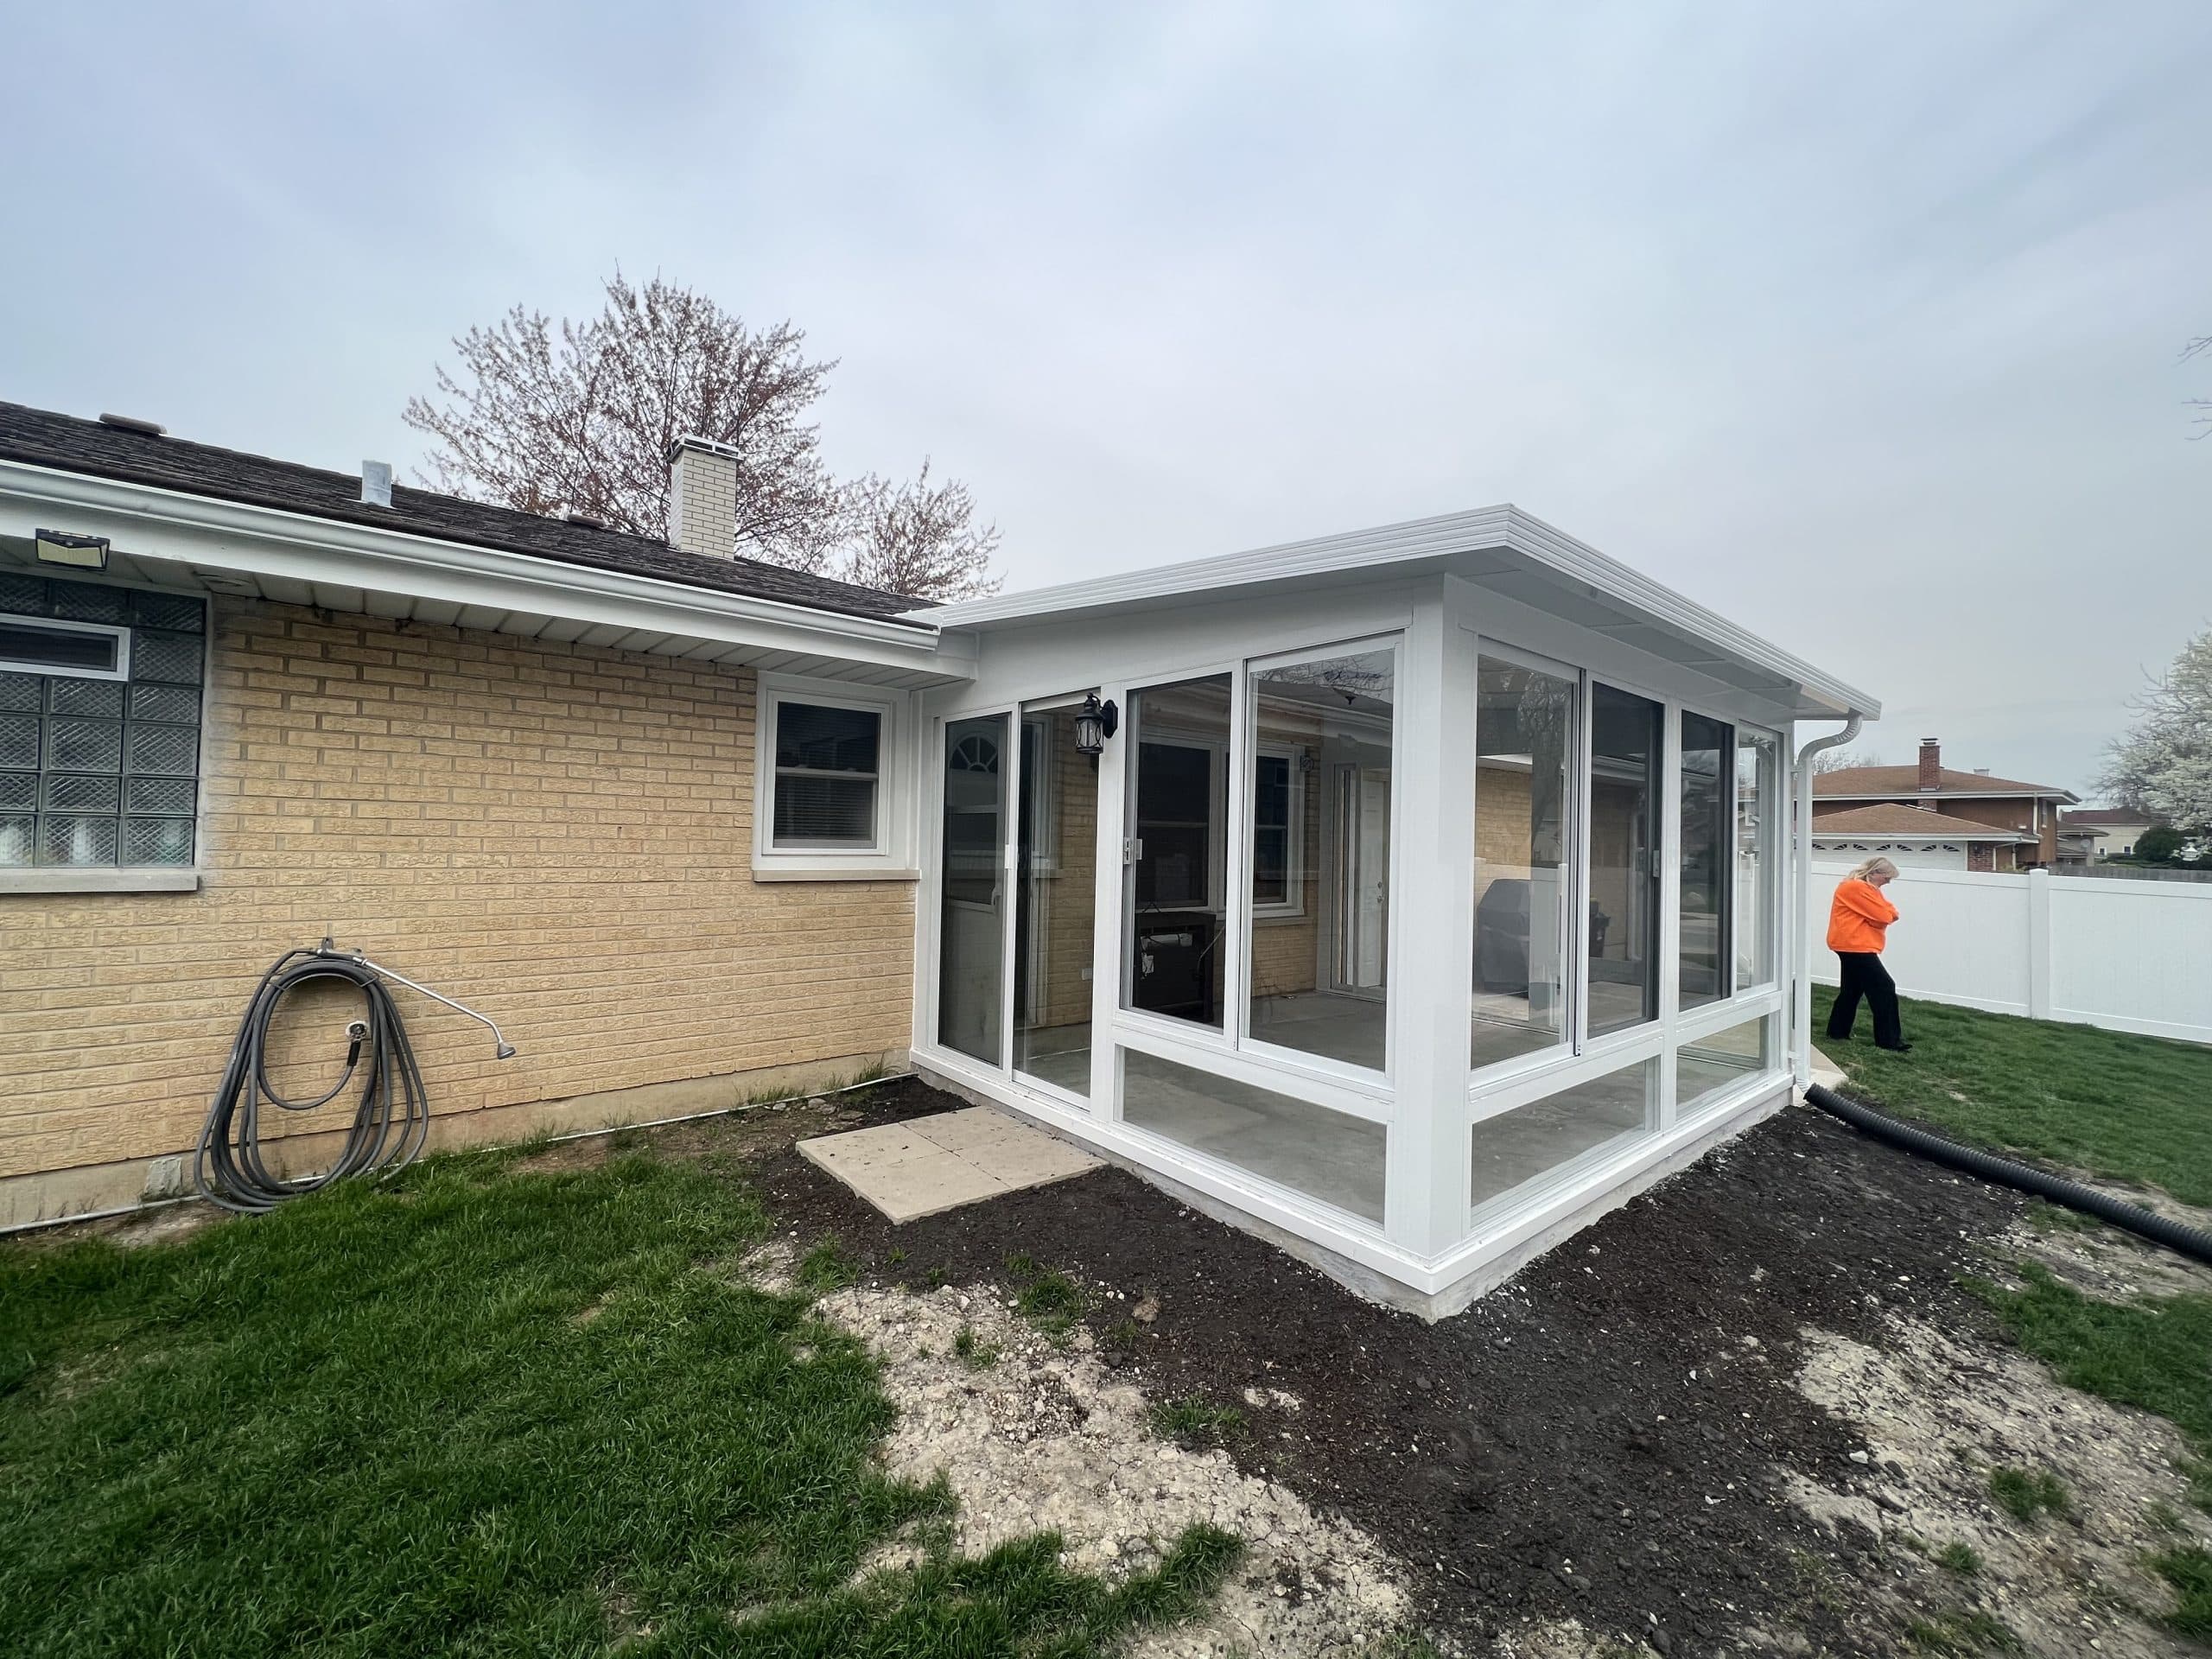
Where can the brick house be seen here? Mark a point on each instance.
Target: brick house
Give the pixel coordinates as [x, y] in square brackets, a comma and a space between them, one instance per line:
[696, 829]
[2030, 813]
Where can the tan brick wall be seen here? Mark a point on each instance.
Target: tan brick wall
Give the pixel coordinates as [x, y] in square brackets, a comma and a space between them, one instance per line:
[558, 836]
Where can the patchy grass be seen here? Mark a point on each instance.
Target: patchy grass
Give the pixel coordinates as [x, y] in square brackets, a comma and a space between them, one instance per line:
[372, 1423]
[1047, 1298]
[2189, 1572]
[829, 1266]
[2130, 1109]
[1960, 1557]
[1967, 1632]
[1193, 1421]
[2025, 1494]
[2154, 1353]
[976, 1356]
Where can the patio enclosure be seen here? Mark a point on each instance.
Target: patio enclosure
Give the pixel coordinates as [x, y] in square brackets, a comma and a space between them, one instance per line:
[1405, 917]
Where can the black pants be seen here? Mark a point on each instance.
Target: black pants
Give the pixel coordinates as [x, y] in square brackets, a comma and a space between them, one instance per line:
[1864, 975]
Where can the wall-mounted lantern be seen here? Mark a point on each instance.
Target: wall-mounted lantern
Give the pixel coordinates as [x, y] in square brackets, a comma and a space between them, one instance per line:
[1095, 722]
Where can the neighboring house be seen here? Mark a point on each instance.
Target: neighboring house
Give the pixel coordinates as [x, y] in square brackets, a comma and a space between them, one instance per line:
[1426, 901]
[1914, 837]
[2030, 810]
[2119, 828]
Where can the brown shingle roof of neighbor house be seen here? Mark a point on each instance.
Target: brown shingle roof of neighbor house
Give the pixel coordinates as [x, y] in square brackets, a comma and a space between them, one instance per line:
[1863, 781]
[2096, 815]
[42, 438]
[1894, 821]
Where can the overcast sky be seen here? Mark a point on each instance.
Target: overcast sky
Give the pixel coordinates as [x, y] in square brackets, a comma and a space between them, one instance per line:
[1859, 323]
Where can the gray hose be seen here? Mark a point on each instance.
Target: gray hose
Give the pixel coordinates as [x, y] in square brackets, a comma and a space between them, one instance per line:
[391, 1121]
[2189, 1241]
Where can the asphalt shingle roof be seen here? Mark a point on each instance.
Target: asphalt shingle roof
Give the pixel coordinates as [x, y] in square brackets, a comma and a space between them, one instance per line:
[42, 438]
[1905, 780]
[1890, 819]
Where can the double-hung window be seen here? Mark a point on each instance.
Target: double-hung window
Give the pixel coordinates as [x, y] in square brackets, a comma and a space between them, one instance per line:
[830, 782]
[100, 691]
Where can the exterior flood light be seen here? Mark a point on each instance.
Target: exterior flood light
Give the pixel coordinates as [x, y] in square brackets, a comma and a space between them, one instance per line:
[1094, 723]
[81, 552]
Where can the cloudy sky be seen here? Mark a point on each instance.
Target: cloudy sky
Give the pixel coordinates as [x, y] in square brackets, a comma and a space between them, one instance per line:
[1861, 323]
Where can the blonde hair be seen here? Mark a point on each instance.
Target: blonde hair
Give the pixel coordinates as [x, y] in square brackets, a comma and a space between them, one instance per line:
[1872, 866]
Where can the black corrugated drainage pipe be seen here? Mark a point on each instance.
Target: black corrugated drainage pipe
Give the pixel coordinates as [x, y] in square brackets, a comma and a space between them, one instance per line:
[2004, 1172]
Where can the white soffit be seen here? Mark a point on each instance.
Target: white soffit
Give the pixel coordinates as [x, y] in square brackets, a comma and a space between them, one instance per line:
[1500, 549]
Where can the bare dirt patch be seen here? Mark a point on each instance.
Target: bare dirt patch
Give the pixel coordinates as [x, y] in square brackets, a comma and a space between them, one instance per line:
[1036, 1435]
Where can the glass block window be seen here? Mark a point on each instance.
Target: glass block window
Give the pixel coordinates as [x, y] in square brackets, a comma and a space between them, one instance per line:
[100, 770]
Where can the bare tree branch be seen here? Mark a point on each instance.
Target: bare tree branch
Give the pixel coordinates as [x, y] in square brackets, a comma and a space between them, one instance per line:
[917, 538]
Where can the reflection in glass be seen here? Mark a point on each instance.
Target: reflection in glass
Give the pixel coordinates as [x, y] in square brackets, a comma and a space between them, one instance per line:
[1515, 1148]
[1329, 1155]
[1524, 742]
[1625, 747]
[1706, 1067]
[1757, 822]
[1707, 826]
[1055, 899]
[1319, 965]
[972, 920]
[1178, 815]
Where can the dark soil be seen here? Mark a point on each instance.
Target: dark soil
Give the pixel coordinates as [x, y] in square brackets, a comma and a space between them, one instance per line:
[1600, 1438]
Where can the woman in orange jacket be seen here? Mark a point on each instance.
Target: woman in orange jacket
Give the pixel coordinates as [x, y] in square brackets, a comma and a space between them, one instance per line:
[1859, 922]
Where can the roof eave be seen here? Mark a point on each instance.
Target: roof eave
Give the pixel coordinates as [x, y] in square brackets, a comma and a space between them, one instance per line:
[214, 533]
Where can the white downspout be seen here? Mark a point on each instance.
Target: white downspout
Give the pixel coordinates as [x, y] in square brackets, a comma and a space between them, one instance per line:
[1800, 971]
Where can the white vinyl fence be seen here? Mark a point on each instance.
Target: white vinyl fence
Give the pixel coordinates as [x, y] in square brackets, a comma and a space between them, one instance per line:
[2128, 956]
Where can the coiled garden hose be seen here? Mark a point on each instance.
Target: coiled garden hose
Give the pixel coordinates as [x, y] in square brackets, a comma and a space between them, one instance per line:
[391, 1121]
[2189, 1241]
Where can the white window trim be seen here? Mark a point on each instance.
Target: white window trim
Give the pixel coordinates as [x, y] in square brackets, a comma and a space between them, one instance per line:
[891, 856]
[119, 633]
[1294, 904]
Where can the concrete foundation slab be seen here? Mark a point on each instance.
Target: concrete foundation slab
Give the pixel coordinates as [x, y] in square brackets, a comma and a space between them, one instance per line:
[928, 1165]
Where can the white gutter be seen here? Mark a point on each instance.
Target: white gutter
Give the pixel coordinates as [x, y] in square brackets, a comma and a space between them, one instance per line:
[146, 521]
[1800, 974]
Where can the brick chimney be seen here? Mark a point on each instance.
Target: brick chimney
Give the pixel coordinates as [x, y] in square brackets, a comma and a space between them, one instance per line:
[1931, 770]
[703, 497]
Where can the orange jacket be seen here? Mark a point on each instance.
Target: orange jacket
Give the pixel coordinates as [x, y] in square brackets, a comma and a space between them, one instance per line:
[1859, 917]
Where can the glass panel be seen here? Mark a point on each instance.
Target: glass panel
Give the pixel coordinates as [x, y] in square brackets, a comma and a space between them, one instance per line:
[157, 841]
[178, 704]
[1179, 814]
[1707, 748]
[170, 749]
[1327, 1155]
[172, 657]
[23, 594]
[85, 602]
[167, 795]
[1625, 750]
[1055, 903]
[66, 648]
[166, 611]
[90, 745]
[1516, 1147]
[77, 841]
[18, 789]
[100, 698]
[831, 812]
[16, 838]
[68, 792]
[1759, 774]
[972, 920]
[1271, 826]
[22, 693]
[1524, 745]
[815, 739]
[1706, 1069]
[1319, 980]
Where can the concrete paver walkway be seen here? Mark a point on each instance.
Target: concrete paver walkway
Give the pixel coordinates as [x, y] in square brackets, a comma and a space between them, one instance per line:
[928, 1164]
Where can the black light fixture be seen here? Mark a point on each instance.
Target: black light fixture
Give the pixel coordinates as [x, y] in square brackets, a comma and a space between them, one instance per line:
[79, 552]
[1094, 723]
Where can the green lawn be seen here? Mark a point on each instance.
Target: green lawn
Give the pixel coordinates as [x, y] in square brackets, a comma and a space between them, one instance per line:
[2134, 1108]
[483, 1412]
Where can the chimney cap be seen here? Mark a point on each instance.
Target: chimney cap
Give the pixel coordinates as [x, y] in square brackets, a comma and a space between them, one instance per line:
[712, 446]
[1930, 742]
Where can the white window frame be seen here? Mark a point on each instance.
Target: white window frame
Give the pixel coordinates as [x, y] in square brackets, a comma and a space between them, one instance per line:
[118, 632]
[890, 856]
[1293, 904]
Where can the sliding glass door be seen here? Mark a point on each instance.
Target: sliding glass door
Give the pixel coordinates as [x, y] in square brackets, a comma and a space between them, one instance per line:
[1020, 822]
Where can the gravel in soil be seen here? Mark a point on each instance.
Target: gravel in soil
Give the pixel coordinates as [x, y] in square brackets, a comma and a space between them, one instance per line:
[1615, 1438]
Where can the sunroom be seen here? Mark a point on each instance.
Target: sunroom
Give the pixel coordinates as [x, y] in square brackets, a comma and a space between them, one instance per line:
[1411, 897]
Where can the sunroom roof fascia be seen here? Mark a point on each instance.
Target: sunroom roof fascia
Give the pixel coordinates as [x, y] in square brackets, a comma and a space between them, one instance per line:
[1489, 541]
